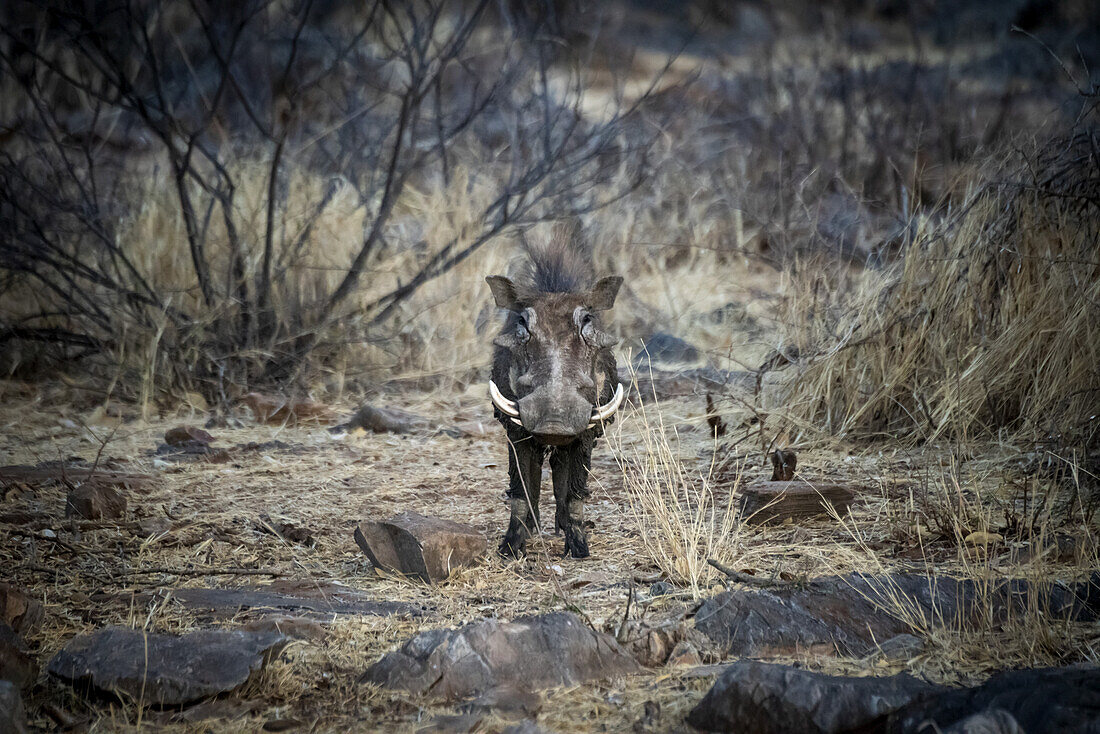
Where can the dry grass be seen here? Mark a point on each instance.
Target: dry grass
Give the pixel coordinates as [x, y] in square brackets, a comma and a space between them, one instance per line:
[988, 328]
[682, 518]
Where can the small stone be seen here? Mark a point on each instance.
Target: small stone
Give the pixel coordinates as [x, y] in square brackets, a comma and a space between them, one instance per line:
[182, 435]
[95, 502]
[684, 654]
[163, 669]
[426, 548]
[19, 611]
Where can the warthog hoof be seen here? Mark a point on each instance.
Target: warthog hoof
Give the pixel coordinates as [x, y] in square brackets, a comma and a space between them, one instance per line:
[513, 547]
[576, 545]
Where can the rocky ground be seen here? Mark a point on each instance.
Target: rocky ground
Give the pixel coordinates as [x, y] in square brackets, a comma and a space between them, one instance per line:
[242, 538]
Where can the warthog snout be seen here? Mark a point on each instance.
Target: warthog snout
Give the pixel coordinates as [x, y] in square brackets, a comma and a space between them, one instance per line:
[555, 415]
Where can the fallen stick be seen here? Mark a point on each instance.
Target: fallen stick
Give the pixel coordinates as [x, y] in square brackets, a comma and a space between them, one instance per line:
[745, 578]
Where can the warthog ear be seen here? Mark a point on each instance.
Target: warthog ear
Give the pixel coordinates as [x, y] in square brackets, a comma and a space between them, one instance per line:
[602, 295]
[504, 292]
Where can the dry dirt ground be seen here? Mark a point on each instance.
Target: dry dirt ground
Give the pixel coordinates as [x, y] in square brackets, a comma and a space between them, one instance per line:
[199, 524]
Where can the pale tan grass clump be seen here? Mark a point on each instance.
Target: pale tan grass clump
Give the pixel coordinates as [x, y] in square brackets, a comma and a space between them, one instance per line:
[681, 517]
[988, 326]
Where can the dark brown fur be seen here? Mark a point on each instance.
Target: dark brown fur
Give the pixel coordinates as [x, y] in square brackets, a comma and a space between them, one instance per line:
[554, 360]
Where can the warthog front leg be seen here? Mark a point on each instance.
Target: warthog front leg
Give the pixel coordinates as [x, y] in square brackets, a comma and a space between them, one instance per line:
[524, 483]
[570, 466]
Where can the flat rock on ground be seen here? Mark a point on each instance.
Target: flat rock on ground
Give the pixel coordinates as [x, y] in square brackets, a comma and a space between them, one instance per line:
[851, 614]
[426, 548]
[163, 669]
[775, 699]
[307, 599]
[531, 652]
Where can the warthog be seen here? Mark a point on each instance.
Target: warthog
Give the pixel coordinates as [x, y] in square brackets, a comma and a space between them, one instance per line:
[554, 386]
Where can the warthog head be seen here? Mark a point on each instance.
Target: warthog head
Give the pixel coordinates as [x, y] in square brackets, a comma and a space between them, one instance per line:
[557, 358]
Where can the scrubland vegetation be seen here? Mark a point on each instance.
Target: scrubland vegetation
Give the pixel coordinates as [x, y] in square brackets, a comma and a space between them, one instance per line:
[868, 229]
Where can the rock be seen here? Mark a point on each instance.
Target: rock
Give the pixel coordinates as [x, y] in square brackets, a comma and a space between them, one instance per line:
[662, 347]
[16, 666]
[1038, 701]
[531, 652]
[783, 465]
[848, 614]
[163, 669]
[776, 501]
[182, 435]
[317, 600]
[899, 647]
[386, 420]
[269, 409]
[13, 719]
[95, 502]
[19, 611]
[287, 531]
[685, 654]
[427, 548]
[997, 721]
[776, 699]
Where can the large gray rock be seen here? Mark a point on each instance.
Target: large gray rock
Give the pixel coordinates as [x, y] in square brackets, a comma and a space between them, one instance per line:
[776, 699]
[427, 548]
[530, 653]
[1040, 701]
[851, 614]
[163, 669]
[767, 698]
[13, 720]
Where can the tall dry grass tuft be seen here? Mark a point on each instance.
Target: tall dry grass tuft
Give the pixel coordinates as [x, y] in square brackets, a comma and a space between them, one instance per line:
[989, 326]
[683, 520]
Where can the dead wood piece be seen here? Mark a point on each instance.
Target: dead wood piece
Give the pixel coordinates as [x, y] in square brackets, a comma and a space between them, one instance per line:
[427, 548]
[784, 463]
[714, 420]
[72, 475]
[777, 501]
[745, 578]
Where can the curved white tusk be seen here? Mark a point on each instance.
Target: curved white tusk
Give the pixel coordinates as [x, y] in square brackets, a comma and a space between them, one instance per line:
[505, 405]
[603, 412]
